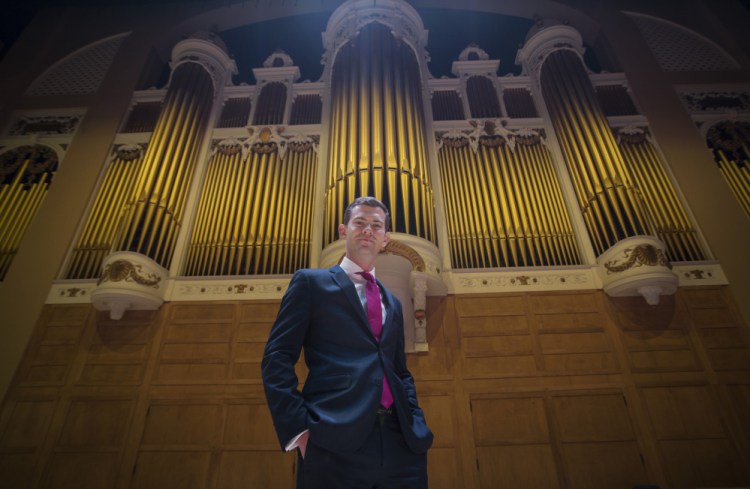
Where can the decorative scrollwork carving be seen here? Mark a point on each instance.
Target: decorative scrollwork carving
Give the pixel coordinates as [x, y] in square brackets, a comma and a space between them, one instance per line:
[124, 271]
[42, 159]
[641, 255]
[631, 135]
[128, 152]
[400, 249]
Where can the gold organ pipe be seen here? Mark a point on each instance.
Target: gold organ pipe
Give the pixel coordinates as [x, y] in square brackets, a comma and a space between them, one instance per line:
[257, 179]
[478, 211]
[450, 211]
[462, 220]
[488, 228]
[593, 209]
[376, 99]
[598, 200]
[672, 223]
[490, 202]
[178, 193]
[259, 171]
[224, 226]
[155, 208]
[552, 189]
[515, 215]
[88, 239]
[617, 183]
[39, 191]
[365, 128]
[220, 204]
[290, 205]
[264, 213]
[465, 221]
[200, 241]
[505, 226]
[545, 208]
[575, 137]
[280, 211]
[25, 212]
[472, 222]
[211, 209]
[524, 212]
[376, 103]
[239, 232]
[162, 132]
[8, 204]
[535, 212]
[552, 250]
[303, 162]
[737, 180]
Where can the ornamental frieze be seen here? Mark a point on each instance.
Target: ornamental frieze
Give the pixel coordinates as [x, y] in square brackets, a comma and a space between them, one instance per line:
[265, 140]
[489, 133]
[125, 271]
[641, 255]
[45, 125]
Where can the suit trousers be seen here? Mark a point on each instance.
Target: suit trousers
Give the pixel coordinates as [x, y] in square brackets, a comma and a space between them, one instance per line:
[383, 462]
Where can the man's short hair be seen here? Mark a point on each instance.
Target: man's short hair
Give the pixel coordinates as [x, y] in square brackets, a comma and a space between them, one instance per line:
[370, 202]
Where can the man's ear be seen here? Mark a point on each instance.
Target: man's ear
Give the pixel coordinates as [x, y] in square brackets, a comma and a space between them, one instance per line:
[387, 238]
[342, 231]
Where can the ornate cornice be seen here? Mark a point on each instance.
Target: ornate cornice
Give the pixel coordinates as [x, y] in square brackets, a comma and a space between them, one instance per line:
[548, 40]
[346, 22]
[208, 54]
[45, 125]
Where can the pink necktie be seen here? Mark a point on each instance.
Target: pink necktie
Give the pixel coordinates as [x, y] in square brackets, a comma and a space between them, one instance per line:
[375, 316]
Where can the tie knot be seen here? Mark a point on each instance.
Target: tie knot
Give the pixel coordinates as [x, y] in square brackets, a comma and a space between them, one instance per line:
[367, 276]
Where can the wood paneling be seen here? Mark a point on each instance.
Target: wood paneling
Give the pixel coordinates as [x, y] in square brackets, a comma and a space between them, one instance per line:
[527, 390]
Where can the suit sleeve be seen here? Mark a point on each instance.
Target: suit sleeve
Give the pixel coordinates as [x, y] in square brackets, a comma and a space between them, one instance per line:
[282, 352]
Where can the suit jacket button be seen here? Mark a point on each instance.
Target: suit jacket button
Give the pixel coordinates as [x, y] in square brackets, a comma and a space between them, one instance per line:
[379, 382]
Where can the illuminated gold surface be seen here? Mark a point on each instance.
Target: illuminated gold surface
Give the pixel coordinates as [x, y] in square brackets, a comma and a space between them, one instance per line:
[153, 211]
[254, 215]
[97, 237]
[606, 193]
[504, 206]
[377, 139]
[19, 202]
[671, 222]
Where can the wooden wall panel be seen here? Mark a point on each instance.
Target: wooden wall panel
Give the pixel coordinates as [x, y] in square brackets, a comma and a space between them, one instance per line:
[597, 441]
[24, 423]
[563, 390]
[517, 466]
[183, 469]
[53, 347]
[694, 444]
[81, 470]
[444, 470]
[95, 423]
[17, 469]
[248, 469]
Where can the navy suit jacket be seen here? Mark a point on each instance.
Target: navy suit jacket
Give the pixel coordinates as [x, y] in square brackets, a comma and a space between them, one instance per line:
[322, 313]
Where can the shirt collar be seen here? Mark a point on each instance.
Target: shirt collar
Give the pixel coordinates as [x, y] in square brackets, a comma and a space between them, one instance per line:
[352, 268]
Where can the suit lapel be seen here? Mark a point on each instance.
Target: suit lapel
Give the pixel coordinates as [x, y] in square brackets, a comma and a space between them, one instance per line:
[347, 287]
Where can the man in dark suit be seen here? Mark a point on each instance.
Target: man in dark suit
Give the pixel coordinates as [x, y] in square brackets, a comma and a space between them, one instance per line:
[356, 423]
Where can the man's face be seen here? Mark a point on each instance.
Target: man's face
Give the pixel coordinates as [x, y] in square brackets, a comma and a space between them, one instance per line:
[365, 235]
